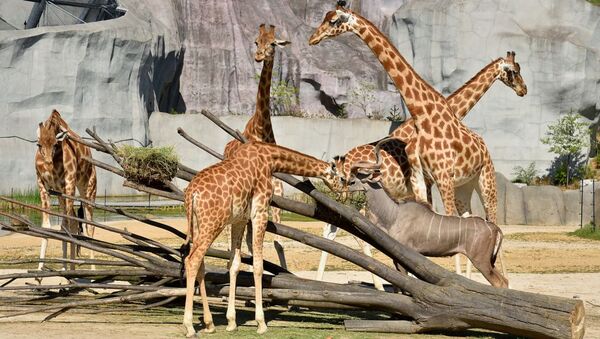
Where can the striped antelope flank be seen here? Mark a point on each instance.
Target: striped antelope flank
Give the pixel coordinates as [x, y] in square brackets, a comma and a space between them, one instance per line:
[417, 226]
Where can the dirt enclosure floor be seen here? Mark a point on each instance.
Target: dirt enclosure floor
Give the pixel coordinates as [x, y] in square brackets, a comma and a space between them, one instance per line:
[539, 259]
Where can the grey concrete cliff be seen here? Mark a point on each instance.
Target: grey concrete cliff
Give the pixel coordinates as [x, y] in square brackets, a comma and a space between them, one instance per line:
[108, 74]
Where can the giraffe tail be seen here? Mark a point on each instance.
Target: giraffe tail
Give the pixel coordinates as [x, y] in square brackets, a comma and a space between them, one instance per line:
[184, 250]
[80, 215]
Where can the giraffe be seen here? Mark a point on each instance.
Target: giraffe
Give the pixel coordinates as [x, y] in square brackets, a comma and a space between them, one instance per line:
[442, 148]
[229, 193]
[60, 166]
[259, 127]
[395, 169]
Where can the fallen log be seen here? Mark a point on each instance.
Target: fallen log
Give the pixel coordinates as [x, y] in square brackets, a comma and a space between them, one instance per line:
[438, 300]
[449, 301]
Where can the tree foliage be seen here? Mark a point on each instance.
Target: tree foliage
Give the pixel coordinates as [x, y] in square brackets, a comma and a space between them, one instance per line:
[362, 96]
[568, 136]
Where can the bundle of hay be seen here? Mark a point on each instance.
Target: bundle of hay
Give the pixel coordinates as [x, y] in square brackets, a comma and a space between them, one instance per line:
[150, 166]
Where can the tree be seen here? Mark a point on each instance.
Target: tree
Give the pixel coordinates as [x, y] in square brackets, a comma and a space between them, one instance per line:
[567, 137]
[362, 96]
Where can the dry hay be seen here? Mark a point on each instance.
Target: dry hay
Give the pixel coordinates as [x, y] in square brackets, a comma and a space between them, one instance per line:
[149, 165]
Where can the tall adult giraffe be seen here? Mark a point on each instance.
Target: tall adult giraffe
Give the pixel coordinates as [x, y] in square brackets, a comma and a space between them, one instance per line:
[231, 192]
[60, 166]
[259, 127]
[441, 143]
[394, 169]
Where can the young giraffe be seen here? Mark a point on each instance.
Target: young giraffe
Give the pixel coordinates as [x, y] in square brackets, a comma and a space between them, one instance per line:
[259, 127]
[441, 142]
[60, 166]
[229, 193]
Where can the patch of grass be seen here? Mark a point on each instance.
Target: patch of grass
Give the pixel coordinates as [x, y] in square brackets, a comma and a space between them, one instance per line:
[289, 216]
[28, 196]
[587, 232]
[594, 2]
[149, 165]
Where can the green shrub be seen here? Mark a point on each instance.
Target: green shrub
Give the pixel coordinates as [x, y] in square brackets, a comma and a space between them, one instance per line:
[586, 232]
[525, 175]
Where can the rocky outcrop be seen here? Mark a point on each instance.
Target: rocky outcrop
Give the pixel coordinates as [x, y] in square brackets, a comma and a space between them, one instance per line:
[112, 74]
[108, 74]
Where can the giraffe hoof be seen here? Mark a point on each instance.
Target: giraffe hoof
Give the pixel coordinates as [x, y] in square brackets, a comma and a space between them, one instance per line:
[210, 328]
[262, 328]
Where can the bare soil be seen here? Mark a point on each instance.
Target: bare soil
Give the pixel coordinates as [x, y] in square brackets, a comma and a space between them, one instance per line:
[539, 259]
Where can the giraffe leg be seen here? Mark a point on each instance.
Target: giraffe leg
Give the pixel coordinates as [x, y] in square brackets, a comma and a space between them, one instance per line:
[64, 225]
[237, 233]
[89, 192]
[488, 193]
[366, 249]
[276, 217]
[208, 319]
[192, 265]
[463, 207]
[260, 217]
[417, 178]
[329, 232]
[45, 198]
[71, 225]
[447, 191]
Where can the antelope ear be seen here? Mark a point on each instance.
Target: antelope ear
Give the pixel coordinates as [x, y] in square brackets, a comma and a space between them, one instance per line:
[38, 130]
[281, 43]
[61, 135]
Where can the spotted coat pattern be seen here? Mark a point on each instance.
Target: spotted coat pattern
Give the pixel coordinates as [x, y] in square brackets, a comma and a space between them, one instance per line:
[442, 149]
[60, 166]
[229, 193]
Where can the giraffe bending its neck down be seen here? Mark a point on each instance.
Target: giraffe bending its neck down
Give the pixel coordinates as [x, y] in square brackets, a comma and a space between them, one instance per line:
[60, 166]
[259, 127]
[442, 149]
[395, 170]
[229, 193]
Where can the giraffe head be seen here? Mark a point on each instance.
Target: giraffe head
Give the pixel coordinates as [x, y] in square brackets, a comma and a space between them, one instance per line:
[333, 179]
[50, 136]
[510, 74]
[335, 23]
[266, 43]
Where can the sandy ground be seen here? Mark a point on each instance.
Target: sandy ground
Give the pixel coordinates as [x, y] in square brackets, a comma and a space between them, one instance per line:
[540, 259]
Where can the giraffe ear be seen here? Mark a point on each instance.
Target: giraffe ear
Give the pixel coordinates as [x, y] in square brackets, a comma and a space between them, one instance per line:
[342, 16]
[281, 43]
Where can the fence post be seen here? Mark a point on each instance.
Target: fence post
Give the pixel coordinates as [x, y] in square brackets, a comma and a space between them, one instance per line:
[594, 205]
[581, 205]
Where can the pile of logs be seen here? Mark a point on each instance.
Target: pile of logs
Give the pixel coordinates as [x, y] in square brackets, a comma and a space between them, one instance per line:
[433, 300]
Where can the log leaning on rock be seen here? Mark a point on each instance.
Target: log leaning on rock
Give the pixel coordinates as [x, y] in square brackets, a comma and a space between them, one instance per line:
[438, 300]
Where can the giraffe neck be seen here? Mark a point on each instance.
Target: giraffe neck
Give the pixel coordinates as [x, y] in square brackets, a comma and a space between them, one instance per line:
[259, 126]
[414, 90]
[464, 98]
[289, 161]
